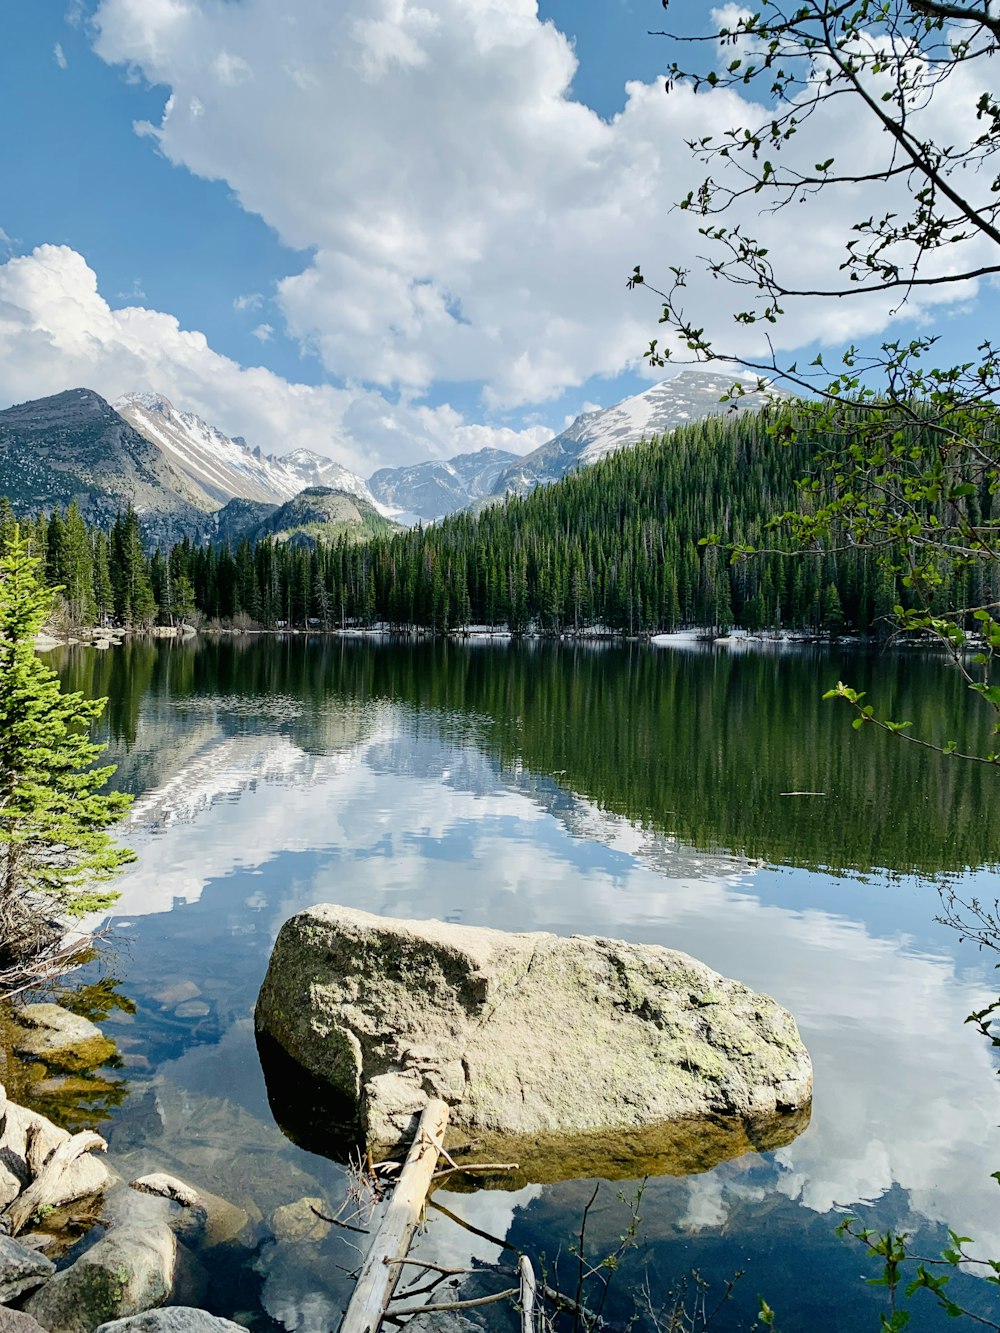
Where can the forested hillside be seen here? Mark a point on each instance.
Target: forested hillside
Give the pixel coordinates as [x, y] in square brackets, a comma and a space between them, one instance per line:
[618, 545]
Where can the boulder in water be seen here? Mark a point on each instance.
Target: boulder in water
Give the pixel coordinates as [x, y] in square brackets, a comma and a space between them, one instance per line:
[529, 1036]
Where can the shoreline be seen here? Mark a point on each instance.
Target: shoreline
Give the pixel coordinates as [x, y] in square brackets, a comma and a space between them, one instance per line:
[694, 638]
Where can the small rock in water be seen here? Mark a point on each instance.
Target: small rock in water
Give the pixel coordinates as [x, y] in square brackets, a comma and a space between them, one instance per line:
[168, 1187]
[299, 1221]
[177, 993]
[55, 1035]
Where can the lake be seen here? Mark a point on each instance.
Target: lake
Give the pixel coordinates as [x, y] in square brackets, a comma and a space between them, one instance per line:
[626, 791]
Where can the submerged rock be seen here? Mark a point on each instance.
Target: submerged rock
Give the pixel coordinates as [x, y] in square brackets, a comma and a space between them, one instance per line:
[525, 1035]
[59, 1037]
[301, 1221]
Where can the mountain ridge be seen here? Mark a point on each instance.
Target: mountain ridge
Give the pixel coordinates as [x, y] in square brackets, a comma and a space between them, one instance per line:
[221, 468]
[433, 488]
[690, 396]
[74, 446]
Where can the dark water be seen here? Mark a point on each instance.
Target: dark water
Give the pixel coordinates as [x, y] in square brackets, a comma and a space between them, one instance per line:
[629, 792]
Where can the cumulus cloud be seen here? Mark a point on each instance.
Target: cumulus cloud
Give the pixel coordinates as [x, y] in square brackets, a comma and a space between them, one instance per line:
[59, 56]
[249, 301]
[263, 333]
[58, 331]
[468, 220]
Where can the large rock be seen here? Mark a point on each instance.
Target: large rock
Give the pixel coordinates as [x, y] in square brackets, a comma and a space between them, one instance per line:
[525, 1035]
[119, 1276]
[173, 1319]
[16, 1321]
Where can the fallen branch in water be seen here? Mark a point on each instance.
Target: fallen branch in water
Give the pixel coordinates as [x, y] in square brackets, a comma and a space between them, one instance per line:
[457, 1305]
[380, 1271]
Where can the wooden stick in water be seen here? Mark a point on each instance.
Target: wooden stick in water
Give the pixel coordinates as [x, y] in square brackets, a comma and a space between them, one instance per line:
[381, 1269]
[527, 1275]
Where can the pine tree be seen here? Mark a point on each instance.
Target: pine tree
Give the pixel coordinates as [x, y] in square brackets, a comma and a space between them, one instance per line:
[104, 595]
[53, 844]
[78, 569]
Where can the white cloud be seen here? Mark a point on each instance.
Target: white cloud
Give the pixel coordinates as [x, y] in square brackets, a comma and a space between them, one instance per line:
[134, 293]
[468, 220]
[59, 55]
[250, 301]
[57, 331]
[263, 332]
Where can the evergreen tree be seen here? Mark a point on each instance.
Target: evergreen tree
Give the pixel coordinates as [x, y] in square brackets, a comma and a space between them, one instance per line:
[104, 595]
[77, 569]
[53, 844]
[135, 605]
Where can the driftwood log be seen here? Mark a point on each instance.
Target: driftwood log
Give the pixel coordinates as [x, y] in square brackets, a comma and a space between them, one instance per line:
[527, 1276]
[44, 1189]
[381, 1269]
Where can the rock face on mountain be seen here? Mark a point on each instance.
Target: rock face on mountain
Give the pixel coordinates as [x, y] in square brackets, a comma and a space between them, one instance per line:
[430, 490]
[75, 446]
[690, 396]
[525, 1035]
[220, 468]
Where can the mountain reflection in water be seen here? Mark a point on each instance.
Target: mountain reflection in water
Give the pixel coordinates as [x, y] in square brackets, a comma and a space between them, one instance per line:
[621, 792]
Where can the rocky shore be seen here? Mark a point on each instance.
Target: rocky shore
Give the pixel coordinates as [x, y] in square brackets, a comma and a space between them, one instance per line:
[81, 1249]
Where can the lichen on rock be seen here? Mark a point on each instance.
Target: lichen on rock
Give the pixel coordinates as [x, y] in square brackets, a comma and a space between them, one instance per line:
[523, 1034]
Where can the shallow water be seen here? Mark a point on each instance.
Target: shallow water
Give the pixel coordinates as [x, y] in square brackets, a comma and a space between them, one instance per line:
[631, 792]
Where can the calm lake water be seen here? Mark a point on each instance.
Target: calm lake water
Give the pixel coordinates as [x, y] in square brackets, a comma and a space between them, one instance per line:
[628, 792]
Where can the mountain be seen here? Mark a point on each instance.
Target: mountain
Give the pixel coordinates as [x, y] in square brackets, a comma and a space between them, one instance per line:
[318, 511]
[75, 446]
[430, 490]
[220, 468]
[690, 396]
[312, 470]
[238, 519]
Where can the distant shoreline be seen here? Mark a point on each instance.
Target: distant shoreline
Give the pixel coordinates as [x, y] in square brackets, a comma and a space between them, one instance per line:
[686, 639]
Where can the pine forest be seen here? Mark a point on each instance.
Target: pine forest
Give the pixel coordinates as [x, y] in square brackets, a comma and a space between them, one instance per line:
[618, 547]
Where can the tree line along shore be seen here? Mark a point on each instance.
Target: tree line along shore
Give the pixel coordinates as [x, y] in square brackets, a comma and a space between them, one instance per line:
[620, 546]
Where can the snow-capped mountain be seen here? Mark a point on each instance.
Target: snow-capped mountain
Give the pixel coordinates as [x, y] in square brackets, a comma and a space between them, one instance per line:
[430, 490]
[224, 468]
[74, 446]
[690, 396]
[311, 469]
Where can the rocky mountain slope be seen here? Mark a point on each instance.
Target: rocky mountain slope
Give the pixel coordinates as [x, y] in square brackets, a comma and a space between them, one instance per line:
[220, 468]
[75, 446]
[431, 490]
[690, 396]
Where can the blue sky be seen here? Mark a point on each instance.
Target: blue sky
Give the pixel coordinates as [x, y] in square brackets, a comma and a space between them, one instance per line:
[276, 206]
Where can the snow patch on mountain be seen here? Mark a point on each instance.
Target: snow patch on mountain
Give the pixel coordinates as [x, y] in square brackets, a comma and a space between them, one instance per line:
[437, 487]
[224, 468]
[690, 396]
